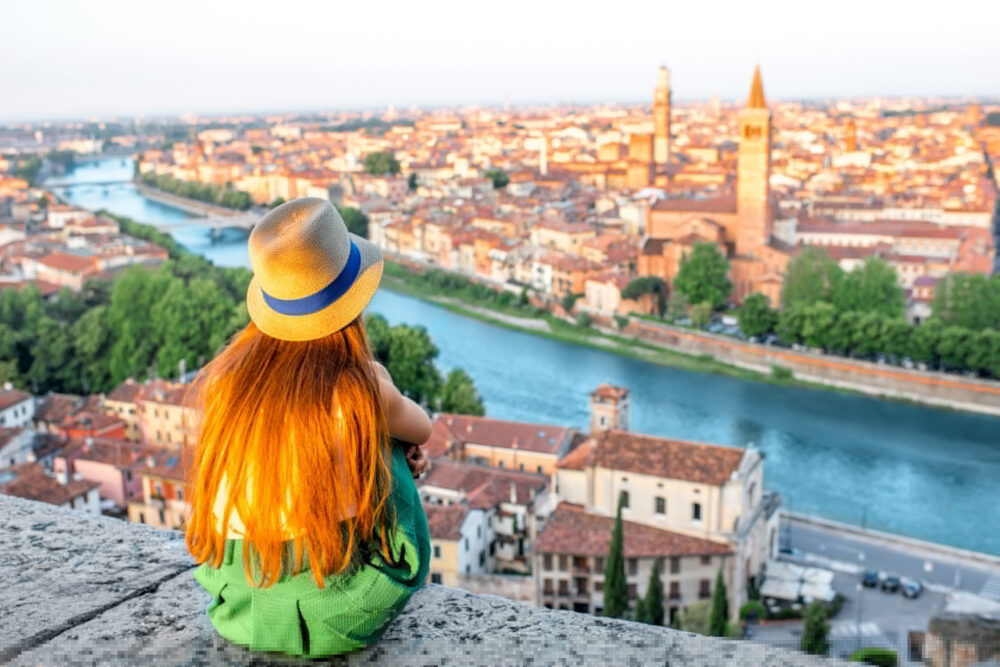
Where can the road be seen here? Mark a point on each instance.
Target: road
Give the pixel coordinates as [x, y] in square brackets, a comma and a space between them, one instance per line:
[869, 616]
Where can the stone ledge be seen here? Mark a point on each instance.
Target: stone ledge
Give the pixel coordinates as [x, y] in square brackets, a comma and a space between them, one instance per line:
[85, 590]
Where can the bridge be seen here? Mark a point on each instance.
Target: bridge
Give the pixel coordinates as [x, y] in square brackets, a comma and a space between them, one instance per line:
[245, 220]
[75, 184]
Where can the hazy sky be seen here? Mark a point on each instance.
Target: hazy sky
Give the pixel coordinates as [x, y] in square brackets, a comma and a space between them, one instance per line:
[61, 59]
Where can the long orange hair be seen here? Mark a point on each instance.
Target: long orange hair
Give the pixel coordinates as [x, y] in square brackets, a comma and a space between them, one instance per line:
[300, 428]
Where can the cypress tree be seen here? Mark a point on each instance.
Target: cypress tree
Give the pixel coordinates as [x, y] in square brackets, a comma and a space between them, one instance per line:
[718, 620]
[815, 634]
[615, 593]
[651, 606]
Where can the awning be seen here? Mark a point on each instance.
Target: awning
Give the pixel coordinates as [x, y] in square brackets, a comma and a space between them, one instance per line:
[780, 589]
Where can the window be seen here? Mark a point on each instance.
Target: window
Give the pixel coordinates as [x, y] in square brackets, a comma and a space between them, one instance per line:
[72, 503]
[500, 464]
[128, 475]
[468, 569]
[631, 591]
[437, 550]
[563, 563]
[598, 586]
[675, 590]
[706, 560]
[563, 587]
[467, 544]
[547, 562]
[163, 518]
[599, 563]
[603, 420]
[675, 565]
[435, 578]
[539, 469]
[179, 492]
[482, 558]
[696, 511]
[479, 531]
[704, 588]
[142, 519]
[661, 505]
[521, 467]
[159, 489]
[633, 566]
[547, 586]
[624, 497]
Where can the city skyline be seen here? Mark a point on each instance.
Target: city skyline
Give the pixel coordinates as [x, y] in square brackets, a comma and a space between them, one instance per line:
[58, 63]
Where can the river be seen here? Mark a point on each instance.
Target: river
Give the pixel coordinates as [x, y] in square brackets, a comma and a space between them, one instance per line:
[917, 471]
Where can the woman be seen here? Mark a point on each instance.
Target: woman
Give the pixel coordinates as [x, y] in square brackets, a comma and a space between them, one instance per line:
[305, 518]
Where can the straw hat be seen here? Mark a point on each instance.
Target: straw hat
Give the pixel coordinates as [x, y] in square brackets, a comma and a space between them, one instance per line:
[311, 276]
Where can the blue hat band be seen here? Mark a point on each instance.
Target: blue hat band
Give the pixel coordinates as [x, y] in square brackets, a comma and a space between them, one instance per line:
[319, 300]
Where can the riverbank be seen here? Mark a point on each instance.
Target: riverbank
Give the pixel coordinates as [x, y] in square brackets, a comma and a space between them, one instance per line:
[192, 206]
[550, 326]
[707, 353]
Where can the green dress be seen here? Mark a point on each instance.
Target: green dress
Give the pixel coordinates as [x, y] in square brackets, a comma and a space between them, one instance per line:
[296, 617]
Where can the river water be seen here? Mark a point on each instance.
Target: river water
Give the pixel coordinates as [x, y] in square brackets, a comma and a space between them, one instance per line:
[922, 472]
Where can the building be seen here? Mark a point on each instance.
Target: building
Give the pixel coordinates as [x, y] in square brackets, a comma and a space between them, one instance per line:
[17, 445]
[459, 542]
[703, 491]
[110, 463]
[608, 409]
[30, 481]
[17, 408]
[162, 419]
[121, 402]
[162, 502]
[661, 117]
[570, 553]
[502, 444]
[964, 631]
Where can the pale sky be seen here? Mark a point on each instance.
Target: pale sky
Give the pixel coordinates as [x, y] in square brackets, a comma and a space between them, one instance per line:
[72, 59]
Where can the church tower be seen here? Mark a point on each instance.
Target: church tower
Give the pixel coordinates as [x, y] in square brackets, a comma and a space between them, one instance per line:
[753, 172]
[661, 117]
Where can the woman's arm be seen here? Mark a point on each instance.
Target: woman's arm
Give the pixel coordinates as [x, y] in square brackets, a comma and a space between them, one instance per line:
[407, 420]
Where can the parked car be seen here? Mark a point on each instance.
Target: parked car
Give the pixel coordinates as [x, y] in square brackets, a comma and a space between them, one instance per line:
[911, 588]
[789, 551]
[715, 327]
[683, 321]
[908, 363]
[869, 579]
[771, 339]
[890, 584]
[729, 320]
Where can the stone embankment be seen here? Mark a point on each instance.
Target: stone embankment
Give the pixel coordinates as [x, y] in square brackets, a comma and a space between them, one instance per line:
[940, 389]
[86, 590]
[192, 206]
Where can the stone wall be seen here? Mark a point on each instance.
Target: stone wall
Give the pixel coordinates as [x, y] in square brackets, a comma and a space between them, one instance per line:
[84, 590]
[942, 389]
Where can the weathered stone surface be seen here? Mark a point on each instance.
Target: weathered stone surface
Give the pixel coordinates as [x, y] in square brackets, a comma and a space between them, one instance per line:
[60, 568]
[164, 623]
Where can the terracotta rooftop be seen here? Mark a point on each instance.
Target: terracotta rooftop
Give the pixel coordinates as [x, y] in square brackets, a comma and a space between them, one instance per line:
[714, 205]
[11, 397]
[609, 392]
[444, 522]
[126, 392]
[28, 480]
[485, 486]
[572, 530]
[660, 457]
[542, 438]
[64, 261]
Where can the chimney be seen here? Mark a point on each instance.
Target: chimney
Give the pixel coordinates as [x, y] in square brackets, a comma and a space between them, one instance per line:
[31, 456]
[61, 477]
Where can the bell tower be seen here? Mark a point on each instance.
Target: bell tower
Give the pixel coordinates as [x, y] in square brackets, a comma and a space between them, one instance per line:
[661, 117]
[753, 172]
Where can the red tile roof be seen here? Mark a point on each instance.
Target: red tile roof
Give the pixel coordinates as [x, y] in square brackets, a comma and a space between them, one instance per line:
[11, 397]
[444, 522]
[126, 392]
[541, 438]
[485, 487]
[28, 480]
[63, 261]
[660, 457]
[714, 205]
[572, 530]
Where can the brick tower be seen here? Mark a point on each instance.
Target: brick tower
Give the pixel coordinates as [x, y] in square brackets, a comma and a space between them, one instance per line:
[755, 221]
[661, 117]
[608, 408]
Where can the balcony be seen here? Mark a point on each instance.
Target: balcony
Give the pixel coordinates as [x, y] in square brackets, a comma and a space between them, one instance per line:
[128, 593]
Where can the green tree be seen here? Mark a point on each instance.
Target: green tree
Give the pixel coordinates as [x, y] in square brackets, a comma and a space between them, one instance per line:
[811, 276]
[411, 181]
[381, 162]
[816, 632]
[615, 592]
[650, 608]
[968, 300]
[648, 285]
[569, 300]
[756, 316]
[695, 617]
[867, 338]
[719, 616]
[498, 176]
[873, 287]
[459, 395]
[953, 347]
[701, 313]
[356, 221]
[276, 202]
[924, 342]
[984, 352]
[895, 336]
[583, 319]
[791, 322]
[817, 321]
[677, 305]
[704, 276]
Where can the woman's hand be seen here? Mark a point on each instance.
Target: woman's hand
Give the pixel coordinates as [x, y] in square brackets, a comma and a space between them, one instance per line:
[417, 460]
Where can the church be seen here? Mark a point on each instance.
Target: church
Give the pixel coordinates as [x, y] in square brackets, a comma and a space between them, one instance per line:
[742, 226]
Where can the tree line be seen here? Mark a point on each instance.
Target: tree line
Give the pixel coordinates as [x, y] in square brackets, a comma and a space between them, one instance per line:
[206, 192]
[858, 313]
[145, 322]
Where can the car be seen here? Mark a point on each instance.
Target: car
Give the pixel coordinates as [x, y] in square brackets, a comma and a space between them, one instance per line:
[771, 339]
[911, 588]
[869, 579]
[790, 551]
[890, 584]
[715, 327]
